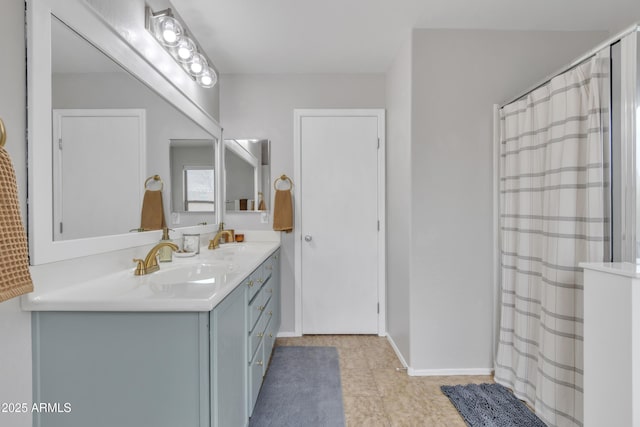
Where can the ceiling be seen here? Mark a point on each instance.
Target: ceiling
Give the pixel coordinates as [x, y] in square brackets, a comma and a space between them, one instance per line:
[353, 36]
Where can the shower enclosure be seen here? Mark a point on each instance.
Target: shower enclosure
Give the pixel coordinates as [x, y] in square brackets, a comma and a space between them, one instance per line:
[567, 188]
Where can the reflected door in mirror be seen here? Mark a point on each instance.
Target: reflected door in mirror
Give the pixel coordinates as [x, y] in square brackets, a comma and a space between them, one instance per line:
[92, 197]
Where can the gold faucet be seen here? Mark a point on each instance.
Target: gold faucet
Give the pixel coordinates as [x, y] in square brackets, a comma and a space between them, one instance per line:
[150, 263]
[215, 243]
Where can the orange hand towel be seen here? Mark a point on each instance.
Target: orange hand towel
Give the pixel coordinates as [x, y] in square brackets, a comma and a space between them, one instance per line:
[152, 211]
[15, 278]
[283, 211]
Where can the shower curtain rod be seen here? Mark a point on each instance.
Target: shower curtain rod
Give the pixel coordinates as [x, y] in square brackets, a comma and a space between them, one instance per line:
[635, 27]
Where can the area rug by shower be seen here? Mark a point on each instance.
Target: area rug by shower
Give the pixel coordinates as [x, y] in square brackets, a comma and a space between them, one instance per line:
[490, 405]
[302, 388]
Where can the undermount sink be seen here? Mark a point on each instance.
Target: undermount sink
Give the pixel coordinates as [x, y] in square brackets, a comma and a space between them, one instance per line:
[201, 273]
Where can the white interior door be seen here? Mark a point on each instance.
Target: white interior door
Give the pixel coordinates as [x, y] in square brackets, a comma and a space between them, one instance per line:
[339, 224]
[106, 149]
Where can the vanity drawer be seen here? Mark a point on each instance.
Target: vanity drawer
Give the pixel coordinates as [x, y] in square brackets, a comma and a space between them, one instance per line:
[260, 276]
[256, 336]
[269, 340]
[268, 267]
[256, 308]
[256, 371]
[267, 289]
[252, 284]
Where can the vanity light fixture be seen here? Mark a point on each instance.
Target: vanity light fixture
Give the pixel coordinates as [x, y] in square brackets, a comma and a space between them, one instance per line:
[172, 35]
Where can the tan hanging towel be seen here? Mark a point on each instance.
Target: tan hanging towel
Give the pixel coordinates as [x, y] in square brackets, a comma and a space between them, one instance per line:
[283, 211]
[15, 278]
[152, 211]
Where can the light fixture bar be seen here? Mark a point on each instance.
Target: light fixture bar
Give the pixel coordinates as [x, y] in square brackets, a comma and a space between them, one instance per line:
[173, 36]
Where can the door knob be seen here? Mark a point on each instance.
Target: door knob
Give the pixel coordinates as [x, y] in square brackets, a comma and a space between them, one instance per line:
[308, 238]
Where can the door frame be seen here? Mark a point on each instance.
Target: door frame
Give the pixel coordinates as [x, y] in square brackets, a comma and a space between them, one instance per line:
[298, 115]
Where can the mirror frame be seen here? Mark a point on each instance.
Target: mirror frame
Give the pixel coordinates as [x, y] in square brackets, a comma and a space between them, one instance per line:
[81, 18]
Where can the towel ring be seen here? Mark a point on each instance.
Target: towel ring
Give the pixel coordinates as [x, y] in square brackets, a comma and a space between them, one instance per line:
[3, 134]
[283, 177]
[155, 178]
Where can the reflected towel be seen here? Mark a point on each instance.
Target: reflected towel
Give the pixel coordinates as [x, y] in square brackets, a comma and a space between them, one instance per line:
[15, 278]
[283, 211]
[152, 211]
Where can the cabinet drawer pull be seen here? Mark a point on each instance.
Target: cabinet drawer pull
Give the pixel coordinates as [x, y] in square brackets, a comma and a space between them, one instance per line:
[270, 313]
[270, 335]
[260, 334]
[259, 363]
[260, 307]
[250, 283]
[260, 280]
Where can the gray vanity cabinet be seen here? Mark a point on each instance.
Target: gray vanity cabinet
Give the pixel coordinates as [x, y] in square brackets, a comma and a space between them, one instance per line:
[133, 369]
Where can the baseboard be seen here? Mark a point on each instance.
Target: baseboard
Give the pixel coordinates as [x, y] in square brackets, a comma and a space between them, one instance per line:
[448, 372]
[288, 335]
[395, 349]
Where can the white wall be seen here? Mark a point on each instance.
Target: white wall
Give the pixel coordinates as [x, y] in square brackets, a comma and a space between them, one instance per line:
[261, 106]
[399, 236]
[15, 325]
[457, 77]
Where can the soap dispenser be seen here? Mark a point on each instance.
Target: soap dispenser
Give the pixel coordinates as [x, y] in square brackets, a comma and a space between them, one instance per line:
[165, 253]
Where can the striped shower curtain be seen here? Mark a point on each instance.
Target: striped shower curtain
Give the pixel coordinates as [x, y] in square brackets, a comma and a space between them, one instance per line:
[553, 215]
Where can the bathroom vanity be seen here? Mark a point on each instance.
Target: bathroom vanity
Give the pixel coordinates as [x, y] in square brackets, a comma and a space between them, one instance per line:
[186, 346]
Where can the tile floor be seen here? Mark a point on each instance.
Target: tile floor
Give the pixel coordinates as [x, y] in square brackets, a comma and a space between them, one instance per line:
[375, 394]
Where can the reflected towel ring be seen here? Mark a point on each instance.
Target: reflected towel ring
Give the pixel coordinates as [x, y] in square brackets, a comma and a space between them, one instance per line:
[3, 134]
[283, 177]
[155, 178]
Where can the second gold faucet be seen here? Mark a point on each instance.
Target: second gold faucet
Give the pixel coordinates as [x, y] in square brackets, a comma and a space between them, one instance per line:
[215, 243]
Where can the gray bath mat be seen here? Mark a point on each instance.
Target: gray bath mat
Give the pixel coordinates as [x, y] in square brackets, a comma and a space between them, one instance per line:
[490, 405]
[302, 388]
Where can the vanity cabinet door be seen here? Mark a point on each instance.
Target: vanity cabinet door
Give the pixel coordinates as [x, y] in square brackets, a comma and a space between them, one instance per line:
[229, 361]
[121, 369]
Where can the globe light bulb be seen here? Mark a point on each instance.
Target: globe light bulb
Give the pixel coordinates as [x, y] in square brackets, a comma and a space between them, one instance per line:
[186, 49]
[197, 65]
[168, 30]
[208, 78]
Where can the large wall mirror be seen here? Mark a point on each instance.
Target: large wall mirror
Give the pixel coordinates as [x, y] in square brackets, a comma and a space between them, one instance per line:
[247, 175]
[98, 130]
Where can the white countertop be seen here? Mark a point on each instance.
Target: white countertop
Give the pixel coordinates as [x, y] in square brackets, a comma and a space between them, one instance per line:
[198, 283]
[625, 269]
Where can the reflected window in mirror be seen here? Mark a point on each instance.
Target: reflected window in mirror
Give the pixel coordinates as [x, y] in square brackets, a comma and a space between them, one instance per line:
[199, 189]
[192, 175]
[247, 175]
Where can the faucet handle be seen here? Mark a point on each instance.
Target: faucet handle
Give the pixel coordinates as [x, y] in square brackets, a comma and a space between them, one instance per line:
[140, 267]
